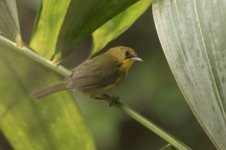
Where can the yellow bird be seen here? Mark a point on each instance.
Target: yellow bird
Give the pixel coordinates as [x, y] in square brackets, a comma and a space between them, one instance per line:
[96, 76]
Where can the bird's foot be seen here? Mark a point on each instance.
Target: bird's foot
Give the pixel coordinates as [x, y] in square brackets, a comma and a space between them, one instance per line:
[110, 99]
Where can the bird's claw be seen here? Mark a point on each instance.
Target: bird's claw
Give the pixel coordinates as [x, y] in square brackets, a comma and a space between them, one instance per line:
[112, 100]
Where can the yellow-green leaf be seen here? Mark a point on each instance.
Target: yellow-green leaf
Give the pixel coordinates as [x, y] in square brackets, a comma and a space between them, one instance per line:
[53, 123]
[62, 25]
[48, 25]
[119, 24]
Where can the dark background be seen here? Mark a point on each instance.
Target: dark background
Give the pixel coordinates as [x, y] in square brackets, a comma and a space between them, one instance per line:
[150, 89]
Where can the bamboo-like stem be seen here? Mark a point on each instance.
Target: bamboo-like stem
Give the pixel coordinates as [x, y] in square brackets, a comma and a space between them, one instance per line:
[151, 126]
[124, 108]
[32, 54]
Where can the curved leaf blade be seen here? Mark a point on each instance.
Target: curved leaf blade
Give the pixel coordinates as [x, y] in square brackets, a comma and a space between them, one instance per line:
[82, 19]
[49, 22]
[54, 123]
[62, 25]
[117, 25]
[192, 34]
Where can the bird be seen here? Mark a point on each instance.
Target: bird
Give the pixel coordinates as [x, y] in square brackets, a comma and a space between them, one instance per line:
[96, 76]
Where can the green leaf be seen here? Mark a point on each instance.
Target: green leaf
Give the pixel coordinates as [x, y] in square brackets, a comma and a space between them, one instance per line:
[48, 26]
[54, 123]
[9, 24]
[119, 24]
[78, 20]
[192, 34]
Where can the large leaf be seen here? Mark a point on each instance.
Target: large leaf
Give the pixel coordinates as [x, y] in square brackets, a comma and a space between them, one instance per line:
[48, 26]
[119, 24]
[54, 123]
[9, 24]
[193, 34]
[77, 21]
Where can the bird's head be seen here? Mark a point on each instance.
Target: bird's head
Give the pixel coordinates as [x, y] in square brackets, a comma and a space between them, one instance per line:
[125, 56]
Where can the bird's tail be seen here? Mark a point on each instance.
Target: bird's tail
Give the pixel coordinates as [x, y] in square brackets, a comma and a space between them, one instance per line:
[40, 93]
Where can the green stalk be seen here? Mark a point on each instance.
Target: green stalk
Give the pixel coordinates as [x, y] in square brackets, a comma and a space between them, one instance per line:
[151, 126]
[32, 54]
[126, 109]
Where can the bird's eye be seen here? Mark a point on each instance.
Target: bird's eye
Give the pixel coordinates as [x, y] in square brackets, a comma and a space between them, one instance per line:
[128, 54]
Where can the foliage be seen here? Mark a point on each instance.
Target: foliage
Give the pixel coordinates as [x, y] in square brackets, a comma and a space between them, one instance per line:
[192, 35]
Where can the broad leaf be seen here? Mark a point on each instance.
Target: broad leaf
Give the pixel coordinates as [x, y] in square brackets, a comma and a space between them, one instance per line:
[48, 26]
[54, 123]
[70, 22]
[119, 24]
[192, 34]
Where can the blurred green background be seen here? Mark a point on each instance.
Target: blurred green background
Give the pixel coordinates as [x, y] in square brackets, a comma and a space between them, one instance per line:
[150, 89]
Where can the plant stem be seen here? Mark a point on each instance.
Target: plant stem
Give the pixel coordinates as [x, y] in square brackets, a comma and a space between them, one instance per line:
[32, 54]
[151, 126]
[124, 108]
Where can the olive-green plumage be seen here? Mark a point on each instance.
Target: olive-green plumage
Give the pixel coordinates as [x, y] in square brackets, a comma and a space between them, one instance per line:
[96, 76]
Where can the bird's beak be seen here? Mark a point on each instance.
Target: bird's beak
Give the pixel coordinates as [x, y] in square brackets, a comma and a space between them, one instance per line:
[137, 59]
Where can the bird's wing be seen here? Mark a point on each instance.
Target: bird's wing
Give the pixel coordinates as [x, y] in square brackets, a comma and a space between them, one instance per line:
[96, 73]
